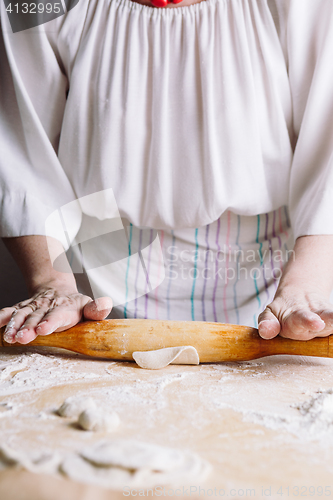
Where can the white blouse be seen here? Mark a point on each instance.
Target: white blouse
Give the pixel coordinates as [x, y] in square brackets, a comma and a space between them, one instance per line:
[184, 113]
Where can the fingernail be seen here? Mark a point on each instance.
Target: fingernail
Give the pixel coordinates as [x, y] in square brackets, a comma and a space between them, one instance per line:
[45, 332]
[8, 336]
[40, 324]
[20, 334]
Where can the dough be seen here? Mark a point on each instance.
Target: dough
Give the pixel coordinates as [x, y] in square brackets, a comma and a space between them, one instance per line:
[73, 406]
[78, 469]
[9, 457]
[42, 463]
[118, 463]
[153, 360]
[97, 420]
[133, 455]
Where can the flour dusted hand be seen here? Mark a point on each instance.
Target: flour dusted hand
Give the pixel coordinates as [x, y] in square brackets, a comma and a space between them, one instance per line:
[51, 309]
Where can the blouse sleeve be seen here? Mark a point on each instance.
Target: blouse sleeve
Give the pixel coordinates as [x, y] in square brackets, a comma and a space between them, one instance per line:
[308, 45]
[33, 87]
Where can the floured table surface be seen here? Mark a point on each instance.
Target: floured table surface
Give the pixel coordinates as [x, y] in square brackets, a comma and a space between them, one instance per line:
[264, 425]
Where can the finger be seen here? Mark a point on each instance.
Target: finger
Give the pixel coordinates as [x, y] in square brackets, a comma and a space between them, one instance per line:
[52, 322]
[16, 321]
[98, 309]
[27, 332]
[5, 315]
[268, 325]
[25, 336]
[10, 330]
[327, 316]
[59, 319]
[302, 325]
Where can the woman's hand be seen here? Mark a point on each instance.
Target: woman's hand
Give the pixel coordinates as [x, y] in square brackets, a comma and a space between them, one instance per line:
[55, 304]
[52, 308]
[297, 314]
[301, 308]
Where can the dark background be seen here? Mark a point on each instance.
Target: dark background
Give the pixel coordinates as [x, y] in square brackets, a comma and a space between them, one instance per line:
[12, 286]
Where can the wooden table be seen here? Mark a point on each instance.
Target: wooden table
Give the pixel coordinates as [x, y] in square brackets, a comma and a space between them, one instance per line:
[213, 410]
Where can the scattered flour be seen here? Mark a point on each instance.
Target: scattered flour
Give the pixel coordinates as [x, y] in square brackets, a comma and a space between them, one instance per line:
[318, 410]
[313, 421]
[36, 371]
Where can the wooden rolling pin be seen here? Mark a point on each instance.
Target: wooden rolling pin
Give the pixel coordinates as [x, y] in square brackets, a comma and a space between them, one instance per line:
[119, 338]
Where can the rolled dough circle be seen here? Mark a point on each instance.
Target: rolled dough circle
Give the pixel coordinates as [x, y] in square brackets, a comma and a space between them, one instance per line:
[134, 455]
[137, 464]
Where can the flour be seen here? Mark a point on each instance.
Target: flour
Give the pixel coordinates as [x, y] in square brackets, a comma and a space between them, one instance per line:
[317, 413]
[141, 393]
[5, 408]
[319, 409]
[36, 371]
[313, 420]
[163, 382]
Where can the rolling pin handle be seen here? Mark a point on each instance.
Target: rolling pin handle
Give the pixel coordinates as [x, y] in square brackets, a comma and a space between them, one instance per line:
[330, 346]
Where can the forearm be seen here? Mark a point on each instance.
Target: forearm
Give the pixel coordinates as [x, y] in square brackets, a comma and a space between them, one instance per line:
[311, 265]
[32, 254]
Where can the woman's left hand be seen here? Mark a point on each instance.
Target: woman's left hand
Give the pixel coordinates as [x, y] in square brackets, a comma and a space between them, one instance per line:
[297, 314]
[301, 308]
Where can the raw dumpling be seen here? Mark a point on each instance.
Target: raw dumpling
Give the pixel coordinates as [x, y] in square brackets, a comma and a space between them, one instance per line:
[160, 358]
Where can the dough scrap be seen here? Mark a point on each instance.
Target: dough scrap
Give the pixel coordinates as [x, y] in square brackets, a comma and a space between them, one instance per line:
[160, 358]
[117, 463]
[98, 421]
[78, 469]
[42, 463]
[74, 405]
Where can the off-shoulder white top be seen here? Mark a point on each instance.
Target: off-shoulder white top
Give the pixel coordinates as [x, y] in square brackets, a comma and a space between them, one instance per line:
[185, 113]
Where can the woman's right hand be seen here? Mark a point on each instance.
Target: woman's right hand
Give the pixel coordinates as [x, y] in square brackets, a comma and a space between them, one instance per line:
[52, 308]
